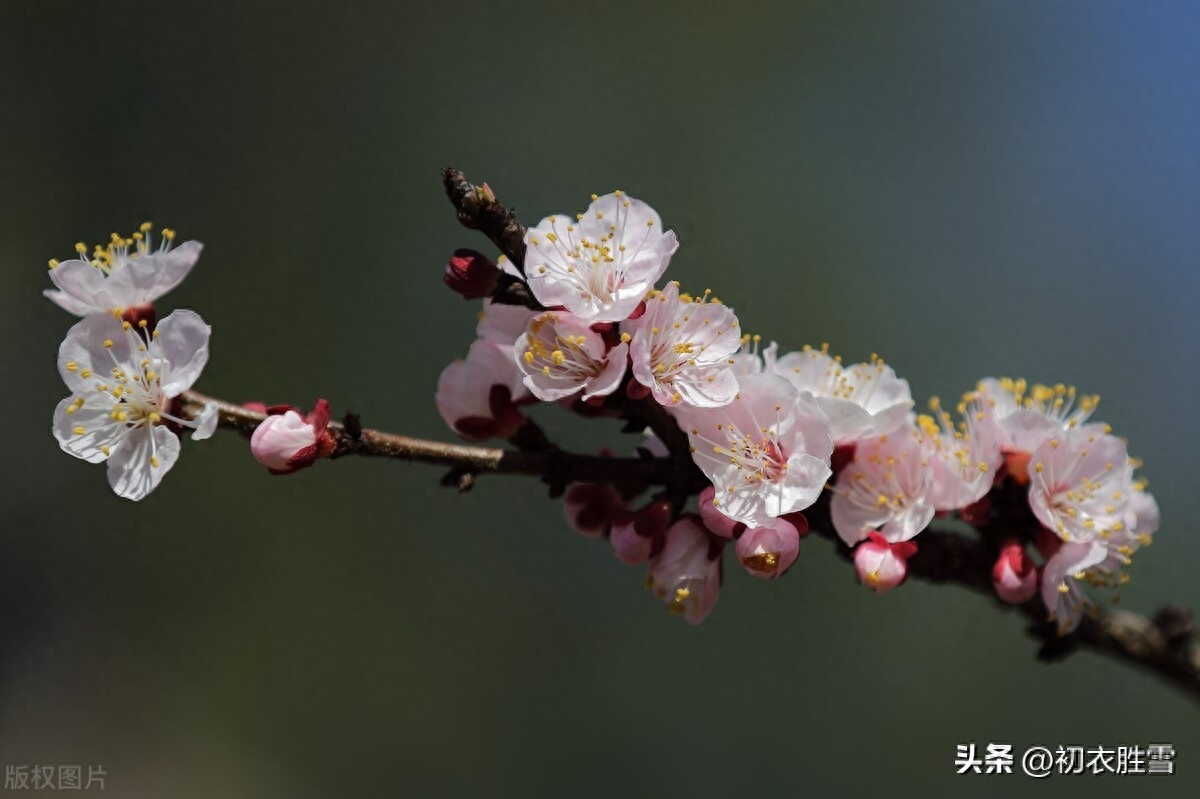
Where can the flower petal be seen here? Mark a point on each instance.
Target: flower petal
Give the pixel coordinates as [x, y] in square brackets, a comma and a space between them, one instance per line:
[183, 339]
[138, 465]
[87, 431]
[145, 279]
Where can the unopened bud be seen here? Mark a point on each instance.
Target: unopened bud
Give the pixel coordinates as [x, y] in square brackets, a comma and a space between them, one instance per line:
[286, 442]
[881, 566]
[1014, 576]
[471, 274]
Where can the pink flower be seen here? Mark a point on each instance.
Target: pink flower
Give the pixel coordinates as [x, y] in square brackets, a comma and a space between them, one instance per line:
[470, 274]
[770, 551]
[681, 349]
[881, 565]
[286, 442]
[1014, 576]
[964, 459]
[886, 488]
[1025, 416]
[1080, 483]
[475, 396]
[600, 264]
[767, 452]
[561, 355]
[864, 400]
[686, 574]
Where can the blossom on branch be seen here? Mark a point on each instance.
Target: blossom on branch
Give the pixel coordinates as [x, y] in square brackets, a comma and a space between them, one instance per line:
[116, 279]
[886, 489]
[964, 458]
[1025, 416]
[123, 378]
[600, 264]
[681, 349]
[767, 452]
[561, 355]
[862, 401]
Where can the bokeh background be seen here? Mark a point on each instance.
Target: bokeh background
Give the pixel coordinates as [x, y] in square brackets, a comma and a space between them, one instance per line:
[966, 188]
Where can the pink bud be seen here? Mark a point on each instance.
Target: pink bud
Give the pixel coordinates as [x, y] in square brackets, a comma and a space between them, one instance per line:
[881, 566]
[1014, 576]
[590, 508]
[636, 537]
[686, 574]
[716, 522]
[769, 551]
[286, 442]
[471, 274]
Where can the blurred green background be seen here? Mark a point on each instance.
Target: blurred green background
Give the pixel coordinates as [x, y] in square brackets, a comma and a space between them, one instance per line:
[966, 188]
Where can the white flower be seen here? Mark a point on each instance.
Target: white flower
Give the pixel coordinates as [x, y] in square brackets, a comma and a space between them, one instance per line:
[1080, 483]
[123, 381]
[115, 279]
[767, 452]
[560, 356]
[886, 488]
[599, 266]
[1026, 415]
[681, 349]
[964, 457]
[862, 401]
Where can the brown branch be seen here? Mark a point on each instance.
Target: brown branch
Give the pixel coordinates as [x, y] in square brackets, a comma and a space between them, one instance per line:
[548, 462]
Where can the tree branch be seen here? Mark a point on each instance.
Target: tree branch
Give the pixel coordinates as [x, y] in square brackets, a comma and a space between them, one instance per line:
[550, 462]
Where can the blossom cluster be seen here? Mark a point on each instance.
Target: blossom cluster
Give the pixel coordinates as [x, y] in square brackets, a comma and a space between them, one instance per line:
[775, 434]
[127, 370]
[124, 367]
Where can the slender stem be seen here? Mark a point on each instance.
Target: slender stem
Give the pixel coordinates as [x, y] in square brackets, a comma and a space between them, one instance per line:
[550, 463]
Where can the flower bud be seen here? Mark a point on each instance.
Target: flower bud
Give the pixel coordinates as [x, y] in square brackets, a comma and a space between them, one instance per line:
[1014, 576]
[636, 537]
[686, 575]
[471, 274]
[590, 508]
[768, 552]
[881, 566]
[286, 442]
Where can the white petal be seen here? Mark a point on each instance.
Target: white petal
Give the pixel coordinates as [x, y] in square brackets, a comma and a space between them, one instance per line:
[94, 418]
[70, 304]
[853, 521]
[83, 360]
[138, 465]
[183, 339]
[83, 283]
[148, 277]
[206, 422]
[609, 378]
